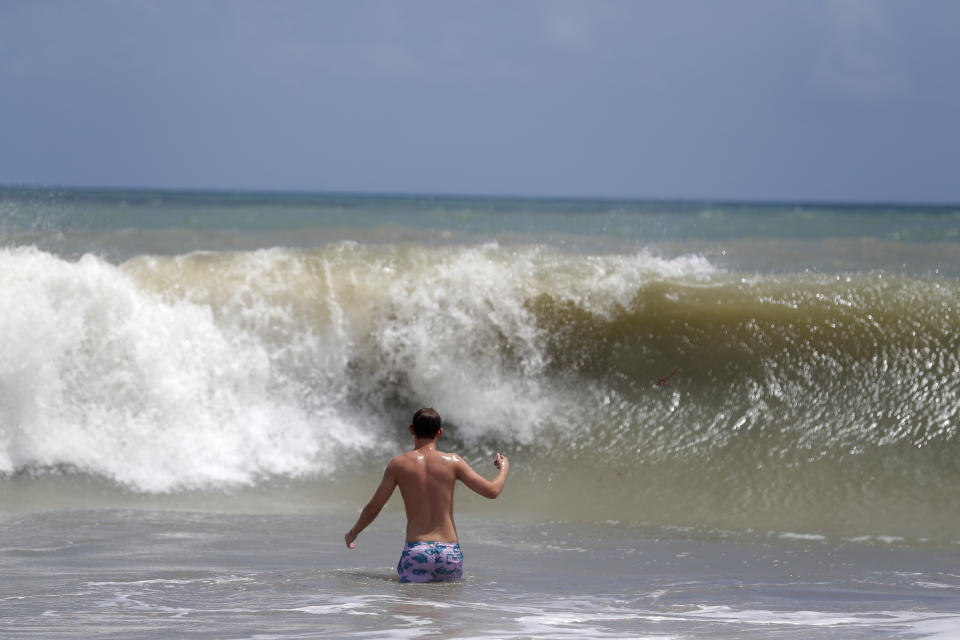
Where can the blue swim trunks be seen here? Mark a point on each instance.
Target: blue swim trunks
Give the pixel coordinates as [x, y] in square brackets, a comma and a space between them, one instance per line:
[430, 562]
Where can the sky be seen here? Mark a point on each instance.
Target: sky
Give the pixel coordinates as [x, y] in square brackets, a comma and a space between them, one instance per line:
[814, 100]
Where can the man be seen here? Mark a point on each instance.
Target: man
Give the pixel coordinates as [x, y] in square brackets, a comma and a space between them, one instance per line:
[426, 478]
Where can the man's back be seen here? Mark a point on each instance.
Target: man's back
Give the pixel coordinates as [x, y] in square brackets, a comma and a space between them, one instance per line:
[426, 478]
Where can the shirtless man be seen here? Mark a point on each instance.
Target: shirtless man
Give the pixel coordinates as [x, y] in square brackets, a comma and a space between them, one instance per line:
[426, 478]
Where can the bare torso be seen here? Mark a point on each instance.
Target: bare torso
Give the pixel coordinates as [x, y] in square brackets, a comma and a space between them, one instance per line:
[426, 478]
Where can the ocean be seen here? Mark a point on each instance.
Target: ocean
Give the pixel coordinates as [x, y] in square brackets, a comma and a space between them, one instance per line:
[725, 420]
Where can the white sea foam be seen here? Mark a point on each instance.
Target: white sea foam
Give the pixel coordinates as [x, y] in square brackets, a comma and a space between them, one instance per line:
[936, 627]
[802, 536]
[100, 375]
[170, 581]
[935, 585]
[349, 608]
[927, 625]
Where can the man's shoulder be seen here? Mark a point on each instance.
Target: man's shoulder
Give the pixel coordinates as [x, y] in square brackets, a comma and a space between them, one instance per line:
[411, 458]
[405, 459]
[399, 460]
[453, 461]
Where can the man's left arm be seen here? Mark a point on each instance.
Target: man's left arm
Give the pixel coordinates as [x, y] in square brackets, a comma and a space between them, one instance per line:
[372, 509]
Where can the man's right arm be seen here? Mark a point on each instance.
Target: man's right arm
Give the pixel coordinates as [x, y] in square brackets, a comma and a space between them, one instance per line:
[487, 488]
[372, 509]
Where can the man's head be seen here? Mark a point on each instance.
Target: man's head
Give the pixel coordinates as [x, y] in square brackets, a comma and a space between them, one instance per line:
[426, 423]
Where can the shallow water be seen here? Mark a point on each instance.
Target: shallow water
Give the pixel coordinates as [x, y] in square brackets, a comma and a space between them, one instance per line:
[107, 573]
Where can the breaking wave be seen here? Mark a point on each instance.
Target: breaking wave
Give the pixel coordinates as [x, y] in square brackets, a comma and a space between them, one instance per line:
[664, 384]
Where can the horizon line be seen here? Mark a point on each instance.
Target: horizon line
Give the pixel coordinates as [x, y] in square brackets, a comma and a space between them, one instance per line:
[750, 201]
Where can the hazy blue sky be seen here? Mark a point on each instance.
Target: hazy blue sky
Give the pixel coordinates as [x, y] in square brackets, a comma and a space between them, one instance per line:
[765, 99]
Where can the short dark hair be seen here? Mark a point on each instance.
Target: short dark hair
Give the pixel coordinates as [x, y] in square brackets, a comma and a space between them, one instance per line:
[426, 423]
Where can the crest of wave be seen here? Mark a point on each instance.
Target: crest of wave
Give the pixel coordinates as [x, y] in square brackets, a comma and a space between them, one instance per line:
[456, 325]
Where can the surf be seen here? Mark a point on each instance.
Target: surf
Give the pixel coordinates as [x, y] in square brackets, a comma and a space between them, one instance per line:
[783, 396]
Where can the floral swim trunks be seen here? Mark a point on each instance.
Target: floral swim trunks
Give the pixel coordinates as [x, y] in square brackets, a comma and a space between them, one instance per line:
[430, 562]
